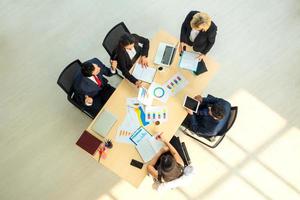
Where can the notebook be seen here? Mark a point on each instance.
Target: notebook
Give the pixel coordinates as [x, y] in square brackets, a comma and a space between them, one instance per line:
[144, 74]
[104, 122]
[88, 142]
[146, 144]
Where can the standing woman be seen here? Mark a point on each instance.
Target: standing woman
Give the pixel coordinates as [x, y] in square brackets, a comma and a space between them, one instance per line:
[131, 47]
[198, 31]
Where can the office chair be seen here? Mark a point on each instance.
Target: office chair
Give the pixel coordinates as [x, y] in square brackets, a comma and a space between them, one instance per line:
[112, 38]
[65, 81]
[181, 149]
[215, 140]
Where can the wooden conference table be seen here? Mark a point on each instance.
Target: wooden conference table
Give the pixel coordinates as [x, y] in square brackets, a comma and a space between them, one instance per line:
[119, 157]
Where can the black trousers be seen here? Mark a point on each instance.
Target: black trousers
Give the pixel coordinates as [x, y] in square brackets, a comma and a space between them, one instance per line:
[100, 99]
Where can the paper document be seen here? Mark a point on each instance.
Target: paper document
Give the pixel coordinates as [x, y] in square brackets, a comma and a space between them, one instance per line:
[189, 60]
[146, 145]
[134, 118]
[156, 113]
[145, 74]
[176, 83]
[144, 97]
[159, 92]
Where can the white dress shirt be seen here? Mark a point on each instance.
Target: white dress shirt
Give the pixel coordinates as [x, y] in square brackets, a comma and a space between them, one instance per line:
[193, 35]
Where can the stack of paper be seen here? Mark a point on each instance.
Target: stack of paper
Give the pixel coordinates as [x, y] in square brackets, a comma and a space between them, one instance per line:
[135, 117]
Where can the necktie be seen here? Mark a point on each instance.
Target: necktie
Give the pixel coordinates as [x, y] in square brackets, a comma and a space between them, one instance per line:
[99, 83]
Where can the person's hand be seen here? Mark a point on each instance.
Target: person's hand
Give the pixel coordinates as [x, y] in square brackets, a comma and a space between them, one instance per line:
[200, 56]
[114, 64]
[182, 46]
[138, 84]
[144, 61]
[88, 100]
[199, 98]
[190, 112]
[160, 137]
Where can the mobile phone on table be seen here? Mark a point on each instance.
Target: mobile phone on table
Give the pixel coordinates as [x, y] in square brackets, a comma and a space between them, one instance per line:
[136, 163]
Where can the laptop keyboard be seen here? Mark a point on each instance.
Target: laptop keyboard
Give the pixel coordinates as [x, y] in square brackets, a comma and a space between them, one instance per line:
[167, 55]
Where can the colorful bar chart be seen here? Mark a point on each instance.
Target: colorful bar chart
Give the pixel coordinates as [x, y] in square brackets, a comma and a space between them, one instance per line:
[156, 113]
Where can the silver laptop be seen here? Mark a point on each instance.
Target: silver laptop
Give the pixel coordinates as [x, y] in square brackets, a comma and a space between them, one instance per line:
[165, 54]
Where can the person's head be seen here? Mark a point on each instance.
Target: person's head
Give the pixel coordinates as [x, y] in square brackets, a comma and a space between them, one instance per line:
[217, 111]
[201, 21]
[89, 69]
[170, 169]
[127, 41]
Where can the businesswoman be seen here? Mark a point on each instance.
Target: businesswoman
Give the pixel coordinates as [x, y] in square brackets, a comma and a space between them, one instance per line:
[131, 48]
[198, 31]
[167, 164]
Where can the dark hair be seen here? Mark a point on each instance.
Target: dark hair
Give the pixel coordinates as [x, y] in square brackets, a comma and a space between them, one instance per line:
[169, 169]
[218, 111]
[126, 39]
[87, 69]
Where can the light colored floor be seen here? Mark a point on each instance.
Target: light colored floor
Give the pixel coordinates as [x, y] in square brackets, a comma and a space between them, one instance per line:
[258, 48]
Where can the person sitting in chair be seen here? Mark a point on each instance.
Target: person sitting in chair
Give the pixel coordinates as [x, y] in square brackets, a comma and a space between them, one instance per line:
[211, 117]
[91, 88]
[166, 165]
[131, 47]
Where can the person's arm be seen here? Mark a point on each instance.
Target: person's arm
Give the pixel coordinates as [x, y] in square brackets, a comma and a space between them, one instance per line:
[209, 100]
[173, 151]
[145, 43]
[105, 70]
[150, 168]
[211, 40]
[124, 70]
[185, 25]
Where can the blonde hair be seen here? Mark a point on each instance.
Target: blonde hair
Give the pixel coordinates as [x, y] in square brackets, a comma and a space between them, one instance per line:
[201, 19]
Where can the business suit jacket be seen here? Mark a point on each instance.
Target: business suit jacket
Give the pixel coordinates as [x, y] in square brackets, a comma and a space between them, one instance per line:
[123, 59]
[204, 40]
[84, 86]
[205, 124]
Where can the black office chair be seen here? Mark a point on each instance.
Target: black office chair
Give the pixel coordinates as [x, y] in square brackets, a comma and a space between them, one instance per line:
[214, 141]
[65, 81]
[181, 149]
[112, 38]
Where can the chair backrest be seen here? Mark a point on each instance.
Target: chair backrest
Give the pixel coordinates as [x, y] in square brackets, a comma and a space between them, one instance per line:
[112, 38]
[231, 120]
[67, 76]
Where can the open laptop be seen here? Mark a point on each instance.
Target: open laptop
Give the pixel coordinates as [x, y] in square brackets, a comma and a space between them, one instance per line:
[165, 54]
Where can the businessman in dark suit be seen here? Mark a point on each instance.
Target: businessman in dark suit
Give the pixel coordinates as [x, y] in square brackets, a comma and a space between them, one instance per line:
[212, 116]
[91, 88]
[200, 32]
[131, 48]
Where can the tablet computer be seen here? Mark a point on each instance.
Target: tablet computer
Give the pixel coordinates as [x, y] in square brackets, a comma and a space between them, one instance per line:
[191, 103]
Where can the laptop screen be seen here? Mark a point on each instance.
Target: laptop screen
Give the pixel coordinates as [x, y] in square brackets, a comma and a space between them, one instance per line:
[167, 55]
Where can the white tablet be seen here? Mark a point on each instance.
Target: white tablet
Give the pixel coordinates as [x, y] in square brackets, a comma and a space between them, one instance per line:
[191, 103]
